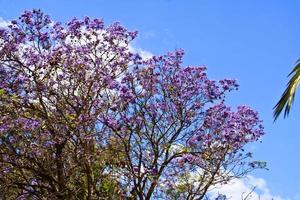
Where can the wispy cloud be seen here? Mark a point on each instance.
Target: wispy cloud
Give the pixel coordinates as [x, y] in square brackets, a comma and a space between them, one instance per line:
[3, 23]
[143, 53]
[238, 189]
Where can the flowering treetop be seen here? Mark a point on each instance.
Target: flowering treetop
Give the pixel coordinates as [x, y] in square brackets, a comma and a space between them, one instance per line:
[83, 117]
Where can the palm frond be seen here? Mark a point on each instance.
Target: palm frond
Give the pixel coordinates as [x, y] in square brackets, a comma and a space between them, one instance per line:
[288, 96]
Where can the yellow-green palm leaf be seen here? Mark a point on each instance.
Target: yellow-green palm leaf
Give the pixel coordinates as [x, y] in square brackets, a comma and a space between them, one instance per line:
[288, 96]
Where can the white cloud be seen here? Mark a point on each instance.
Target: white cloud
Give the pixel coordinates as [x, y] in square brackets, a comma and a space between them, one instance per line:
[3, 23]
[144, 54]
[238, 189]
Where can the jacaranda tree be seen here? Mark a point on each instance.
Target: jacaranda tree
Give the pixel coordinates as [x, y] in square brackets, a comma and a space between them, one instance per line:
[82, 117]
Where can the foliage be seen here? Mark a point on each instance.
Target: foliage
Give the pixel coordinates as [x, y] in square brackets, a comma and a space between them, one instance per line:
[288, 95]
[82, 117]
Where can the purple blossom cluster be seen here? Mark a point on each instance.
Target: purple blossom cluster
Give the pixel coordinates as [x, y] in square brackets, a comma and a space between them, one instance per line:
[223, 126]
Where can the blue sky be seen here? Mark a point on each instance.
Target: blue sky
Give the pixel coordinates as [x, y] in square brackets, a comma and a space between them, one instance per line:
[256, 42]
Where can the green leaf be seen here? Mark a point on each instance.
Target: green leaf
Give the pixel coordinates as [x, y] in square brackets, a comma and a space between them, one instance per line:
[288, 95]
[2, 92]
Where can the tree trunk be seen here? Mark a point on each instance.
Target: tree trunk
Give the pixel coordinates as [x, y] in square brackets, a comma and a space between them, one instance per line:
[60, 172]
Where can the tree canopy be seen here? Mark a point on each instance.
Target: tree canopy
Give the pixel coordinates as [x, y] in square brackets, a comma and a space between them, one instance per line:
[82, 117]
